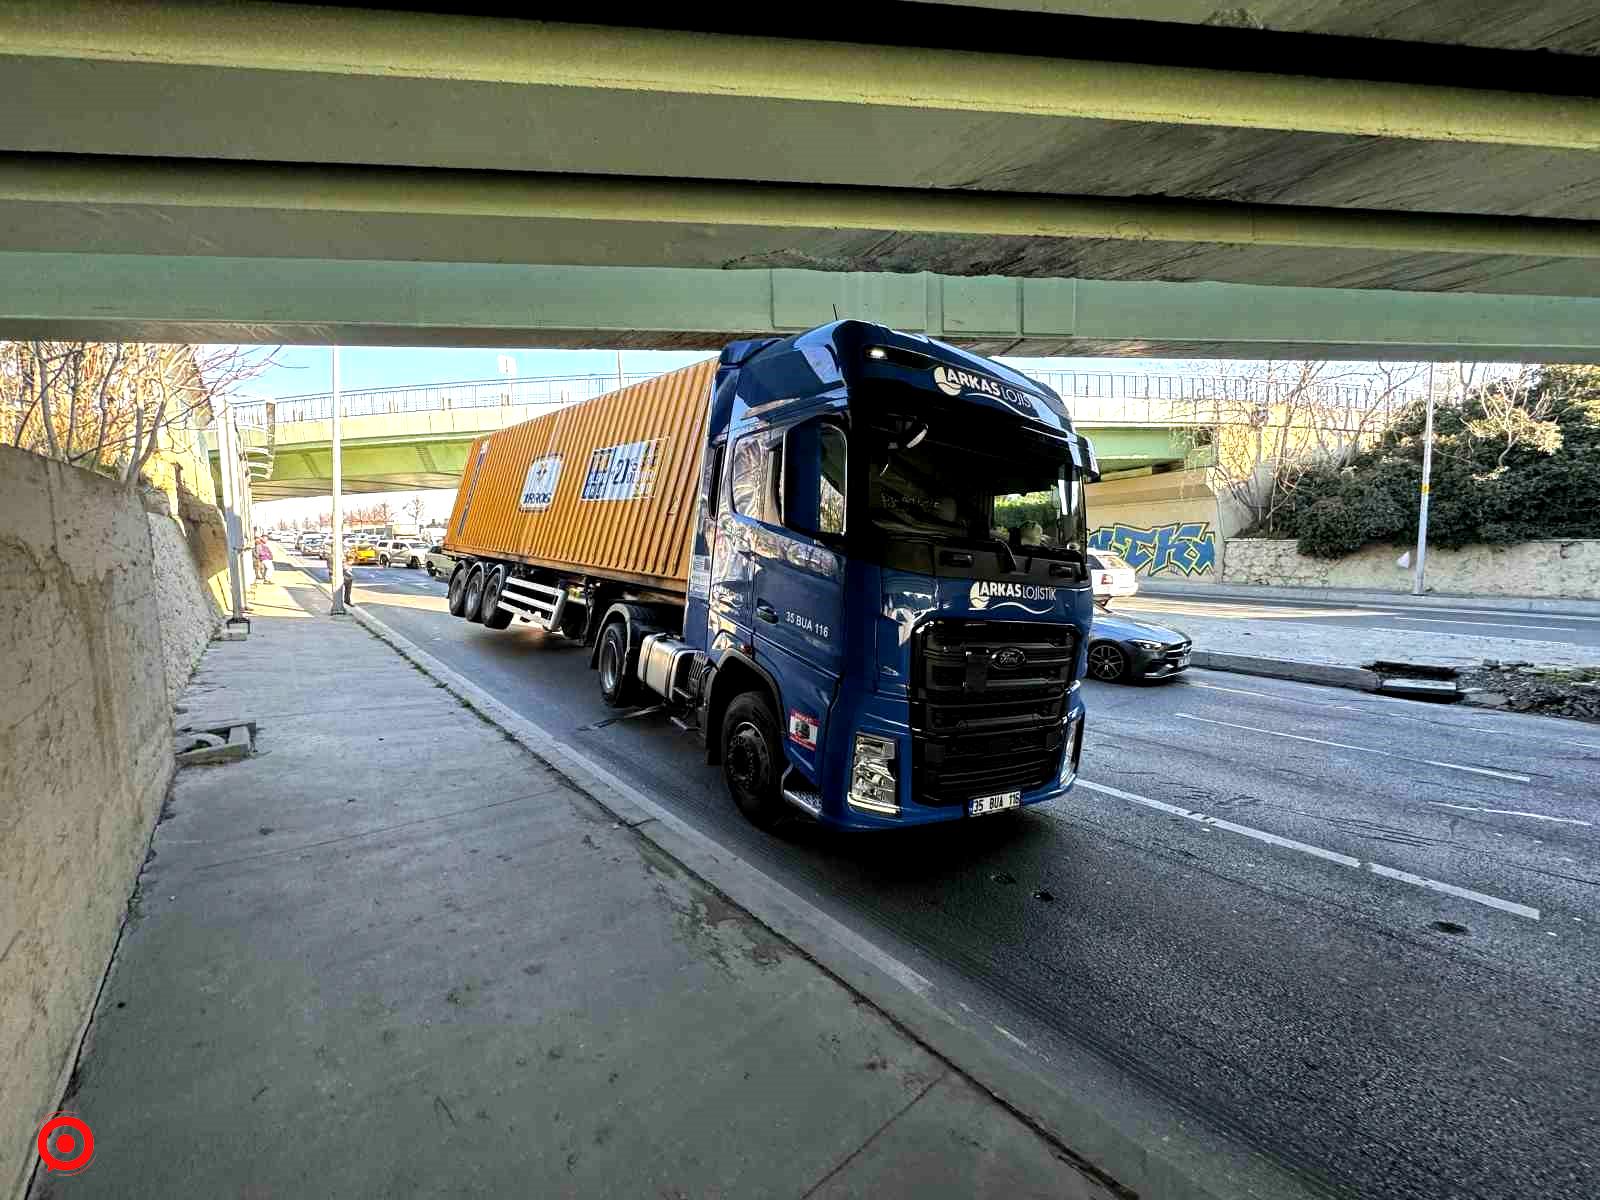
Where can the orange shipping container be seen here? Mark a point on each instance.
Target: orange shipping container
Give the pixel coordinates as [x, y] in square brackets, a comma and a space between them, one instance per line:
[605, 487]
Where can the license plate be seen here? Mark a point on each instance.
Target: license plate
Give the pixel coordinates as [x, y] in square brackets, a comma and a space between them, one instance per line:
[1183, 660]
[983, 805]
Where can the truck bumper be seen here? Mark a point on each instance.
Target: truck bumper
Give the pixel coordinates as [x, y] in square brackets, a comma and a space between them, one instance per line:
[839, 813]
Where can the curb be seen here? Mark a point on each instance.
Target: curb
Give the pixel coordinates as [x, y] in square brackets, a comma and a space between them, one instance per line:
[1551, 606]
[1358, 678]
[1014, 1079]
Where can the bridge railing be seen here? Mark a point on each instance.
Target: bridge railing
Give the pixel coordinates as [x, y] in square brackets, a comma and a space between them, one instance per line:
[1092, 397]
[435, 397]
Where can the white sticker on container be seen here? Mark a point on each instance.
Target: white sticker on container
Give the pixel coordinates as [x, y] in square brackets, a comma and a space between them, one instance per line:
[539, 489]
[626, 472]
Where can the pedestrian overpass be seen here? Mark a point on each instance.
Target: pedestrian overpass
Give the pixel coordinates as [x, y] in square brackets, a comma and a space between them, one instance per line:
[404, 438]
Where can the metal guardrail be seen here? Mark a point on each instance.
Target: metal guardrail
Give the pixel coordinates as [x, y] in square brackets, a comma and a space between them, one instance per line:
[1092, 397]
[435, 397]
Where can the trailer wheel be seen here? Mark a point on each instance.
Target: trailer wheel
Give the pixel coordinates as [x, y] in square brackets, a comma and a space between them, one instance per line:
[752, 759]
[456, 597]
[489, 610]
[472, 598]
[616, 686]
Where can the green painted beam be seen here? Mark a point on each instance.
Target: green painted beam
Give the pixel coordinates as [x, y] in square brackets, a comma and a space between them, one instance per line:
[313, 301]
[257, 37]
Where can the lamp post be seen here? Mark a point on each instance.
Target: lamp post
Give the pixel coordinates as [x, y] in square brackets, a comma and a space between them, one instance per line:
[1417, 581]
[336, 543]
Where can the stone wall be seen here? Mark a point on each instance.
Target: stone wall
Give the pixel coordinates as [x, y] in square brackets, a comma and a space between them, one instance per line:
[190, 609]
[1550, 569]
[88, 582]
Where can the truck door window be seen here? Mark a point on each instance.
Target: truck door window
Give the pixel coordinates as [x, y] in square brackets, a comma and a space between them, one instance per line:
[747, 477]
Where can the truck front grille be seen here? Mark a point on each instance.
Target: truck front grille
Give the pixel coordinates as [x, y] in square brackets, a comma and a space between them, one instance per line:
[988, 700]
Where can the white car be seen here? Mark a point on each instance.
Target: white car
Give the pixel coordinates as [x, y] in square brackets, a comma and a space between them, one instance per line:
[441, 564]
[401, 552]
[1111, 577]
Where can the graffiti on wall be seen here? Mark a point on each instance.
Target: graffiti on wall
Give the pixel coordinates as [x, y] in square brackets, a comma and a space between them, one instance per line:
[1183, 547]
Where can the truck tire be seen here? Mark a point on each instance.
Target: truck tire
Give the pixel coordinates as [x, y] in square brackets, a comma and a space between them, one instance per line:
[489, 610]
[752, 759]
[472, 596]
[617, 687]
[456, 597]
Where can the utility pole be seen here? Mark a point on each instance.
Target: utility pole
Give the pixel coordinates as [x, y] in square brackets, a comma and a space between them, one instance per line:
[1427, 476]
[619, 368]
[336, 543]
[228, 461]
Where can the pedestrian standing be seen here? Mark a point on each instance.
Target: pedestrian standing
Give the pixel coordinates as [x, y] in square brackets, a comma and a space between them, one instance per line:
[263, 558]
[349, 568]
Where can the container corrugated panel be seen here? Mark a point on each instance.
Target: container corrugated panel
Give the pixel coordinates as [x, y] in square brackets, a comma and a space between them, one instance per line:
[605, 487]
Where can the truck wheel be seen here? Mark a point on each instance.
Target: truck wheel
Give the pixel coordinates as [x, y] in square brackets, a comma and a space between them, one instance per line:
[752, 759]
[489, 610]
[616, 686]
[456, 597]
[472, 598]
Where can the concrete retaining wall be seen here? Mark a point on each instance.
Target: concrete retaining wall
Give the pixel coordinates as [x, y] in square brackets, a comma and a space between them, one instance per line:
[1164, 525]
[88, 582]
[1552, 569]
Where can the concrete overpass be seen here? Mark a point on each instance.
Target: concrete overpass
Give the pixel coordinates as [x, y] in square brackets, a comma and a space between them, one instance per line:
[1309, 178]
[398, 439]
[1343, 181]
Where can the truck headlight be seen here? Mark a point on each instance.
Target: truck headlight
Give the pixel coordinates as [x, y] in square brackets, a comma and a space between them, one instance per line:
[1072, 750]
[872, 776]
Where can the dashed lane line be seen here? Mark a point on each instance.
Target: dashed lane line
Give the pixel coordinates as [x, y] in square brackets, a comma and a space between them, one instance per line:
[1333, 856]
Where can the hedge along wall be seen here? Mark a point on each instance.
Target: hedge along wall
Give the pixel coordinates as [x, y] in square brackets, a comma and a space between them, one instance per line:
[1569, 569]
[1167, 526]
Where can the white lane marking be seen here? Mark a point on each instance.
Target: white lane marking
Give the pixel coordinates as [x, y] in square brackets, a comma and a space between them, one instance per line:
[1510, 812]
[1333, 856]
[1450, 889]
[1261, 835]
[1496, 624]
[1300, 737]
[1212, 687]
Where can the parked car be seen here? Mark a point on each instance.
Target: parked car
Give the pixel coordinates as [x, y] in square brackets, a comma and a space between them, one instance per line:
[363, 552]
[309, 543]
[440, 564]
[1122, 650]
[402, 552]
[1111, 577]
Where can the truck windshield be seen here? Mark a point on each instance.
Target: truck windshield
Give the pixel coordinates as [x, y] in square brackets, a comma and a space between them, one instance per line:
[951, 484]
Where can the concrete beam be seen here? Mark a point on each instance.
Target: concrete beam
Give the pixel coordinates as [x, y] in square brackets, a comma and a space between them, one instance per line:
[472, 50]
[309, 301]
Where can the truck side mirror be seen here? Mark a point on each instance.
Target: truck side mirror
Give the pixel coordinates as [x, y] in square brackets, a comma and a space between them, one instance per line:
[815, 472]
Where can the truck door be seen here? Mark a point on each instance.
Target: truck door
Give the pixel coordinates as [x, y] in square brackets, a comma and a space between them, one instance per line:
[798, 576]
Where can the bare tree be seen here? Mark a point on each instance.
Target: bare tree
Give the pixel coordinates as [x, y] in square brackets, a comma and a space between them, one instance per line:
[1274, 421]
[111, 406]
[415, 508]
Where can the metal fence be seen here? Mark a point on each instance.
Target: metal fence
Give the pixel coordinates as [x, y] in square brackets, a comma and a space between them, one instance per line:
[434, 397]
[1092, 397]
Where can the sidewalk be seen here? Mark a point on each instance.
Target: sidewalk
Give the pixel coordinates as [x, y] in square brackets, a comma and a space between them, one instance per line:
[1547, 605]
[395, 954]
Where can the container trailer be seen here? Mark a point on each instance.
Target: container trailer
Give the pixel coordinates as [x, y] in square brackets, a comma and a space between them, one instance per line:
[852, 560]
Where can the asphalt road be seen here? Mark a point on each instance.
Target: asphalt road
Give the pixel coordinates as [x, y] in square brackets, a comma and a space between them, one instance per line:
[1353, 936]
[1398, 618]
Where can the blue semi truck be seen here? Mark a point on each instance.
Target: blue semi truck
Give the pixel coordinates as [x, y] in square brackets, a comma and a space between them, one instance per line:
[885, 605]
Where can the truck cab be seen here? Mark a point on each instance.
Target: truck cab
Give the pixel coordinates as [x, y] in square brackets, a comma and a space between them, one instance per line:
[888, 598]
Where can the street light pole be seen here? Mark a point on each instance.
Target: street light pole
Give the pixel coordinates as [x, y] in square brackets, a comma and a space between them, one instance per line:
[1427, 476]
[336, 543]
